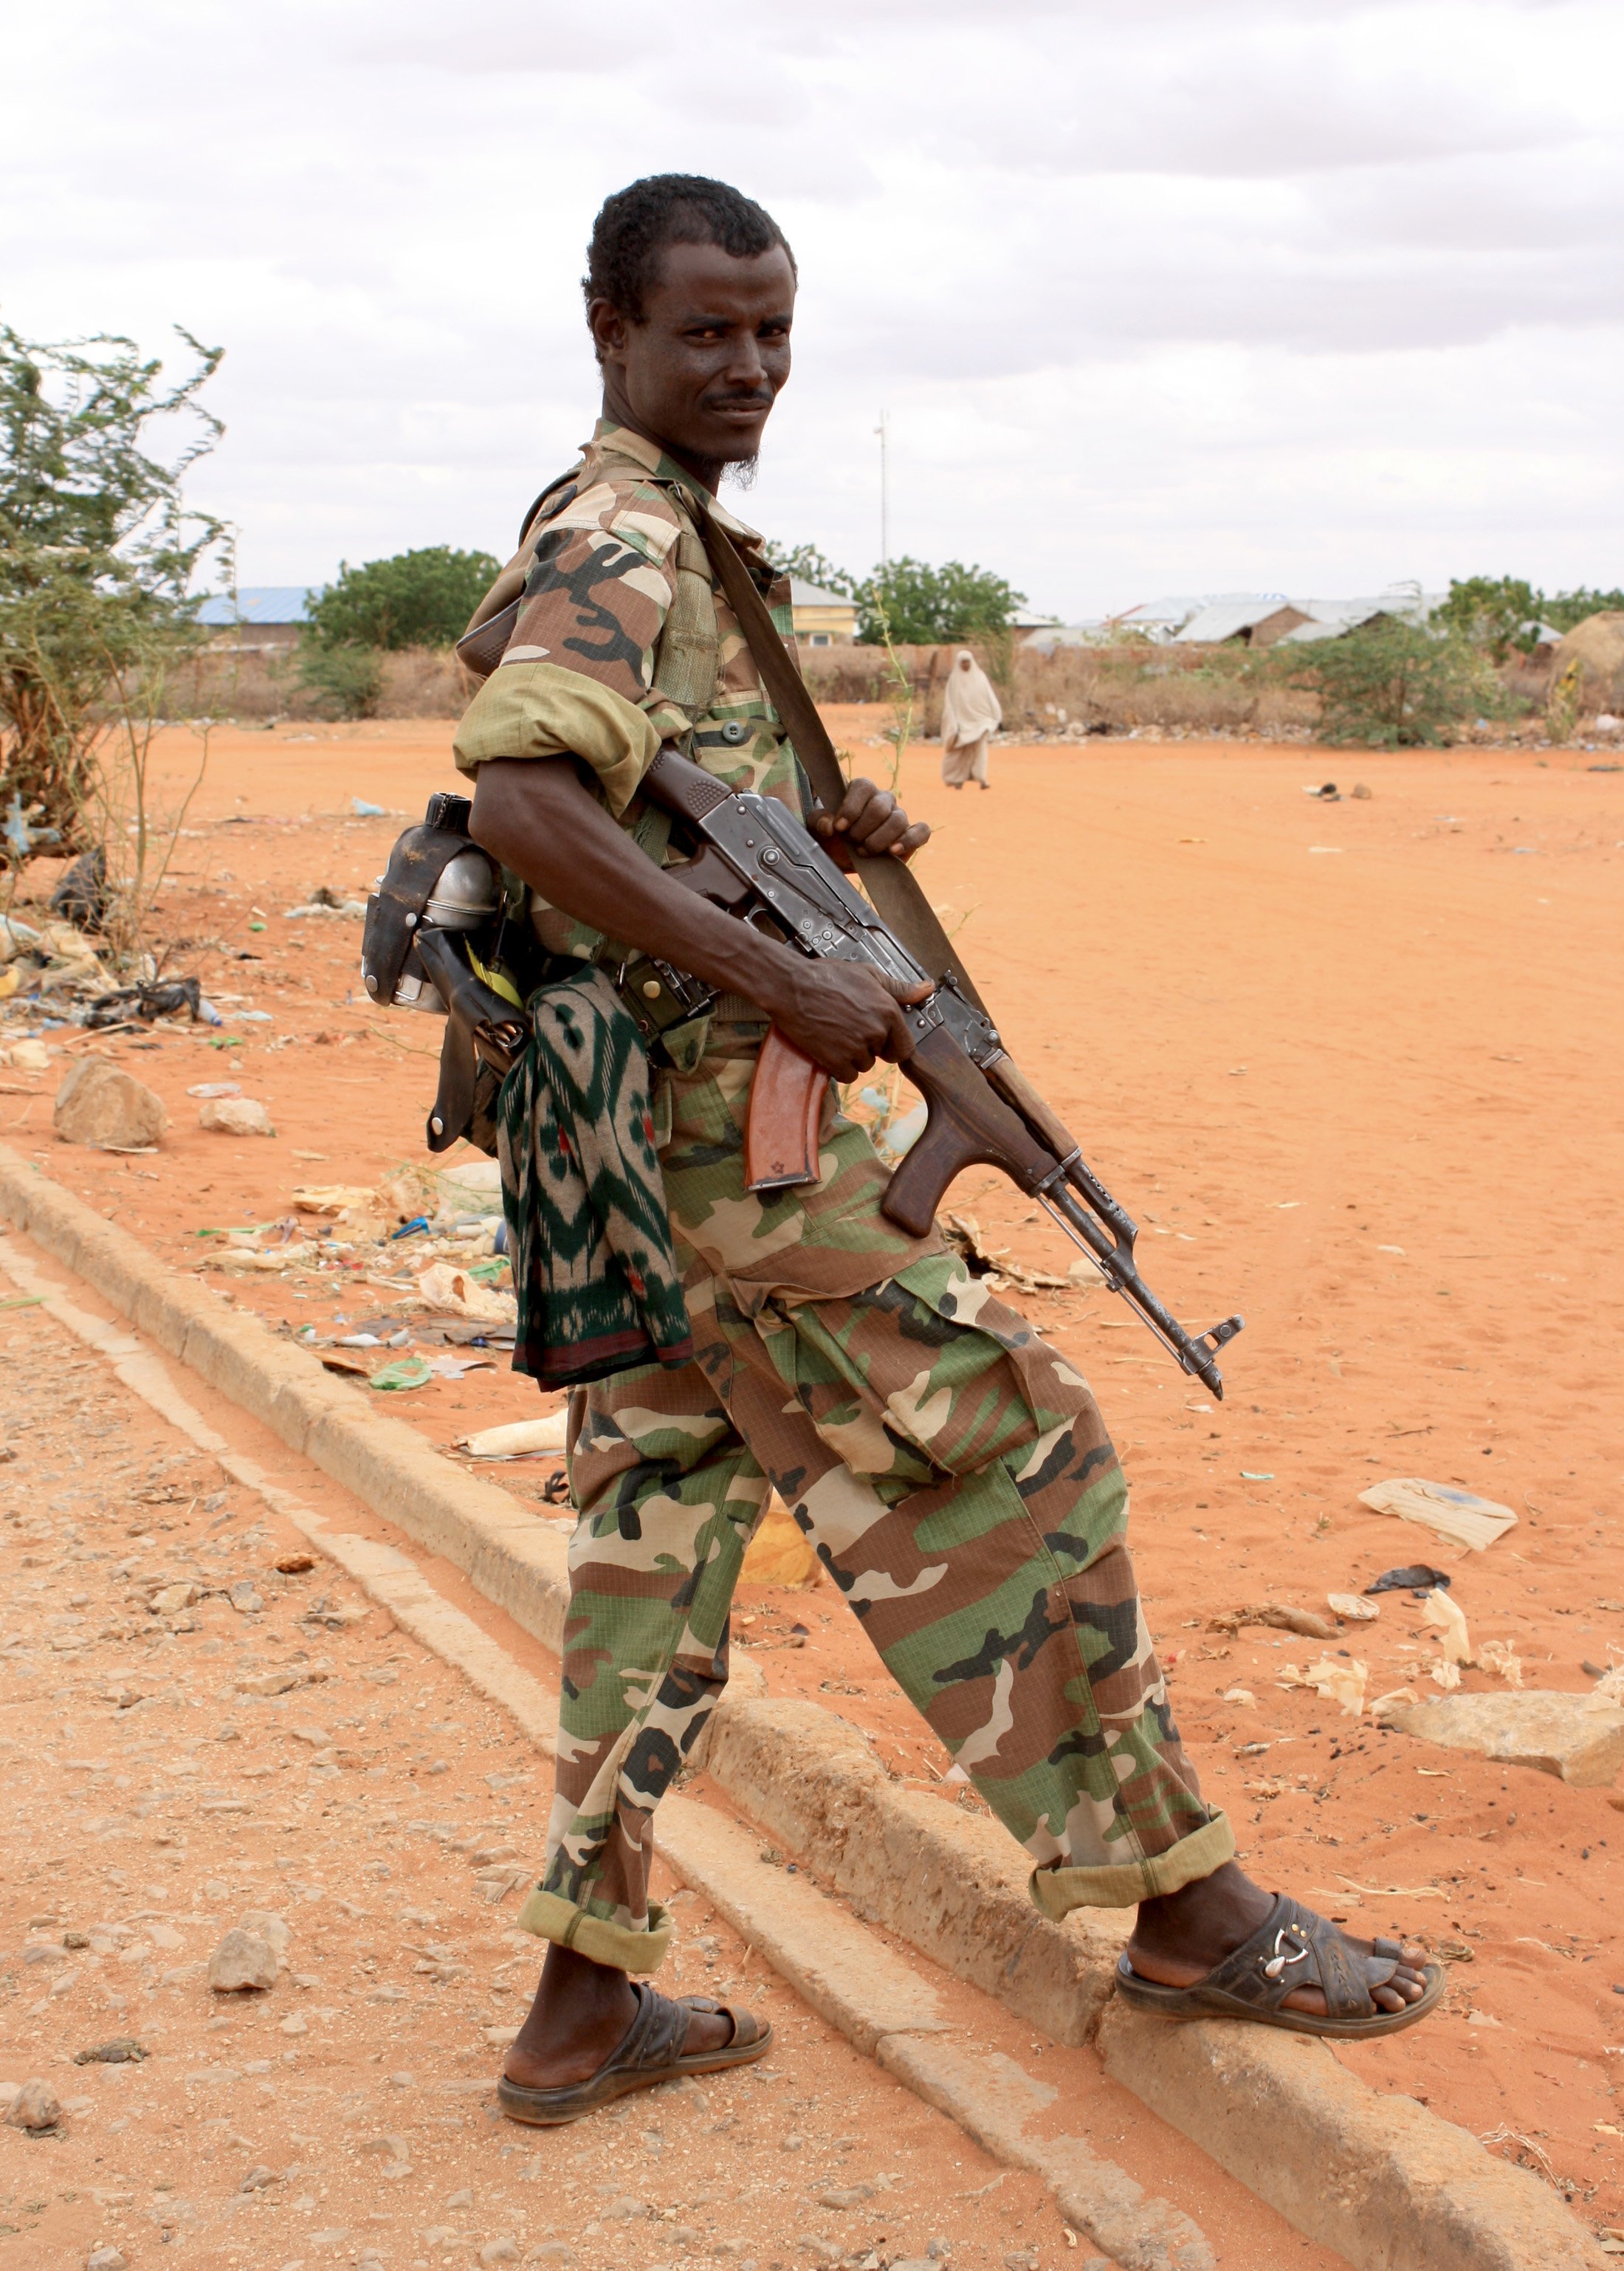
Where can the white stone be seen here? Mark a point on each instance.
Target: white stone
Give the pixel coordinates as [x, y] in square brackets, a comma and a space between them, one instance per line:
[234, 1115]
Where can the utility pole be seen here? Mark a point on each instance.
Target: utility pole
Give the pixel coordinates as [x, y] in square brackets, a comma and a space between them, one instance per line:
[885, 510]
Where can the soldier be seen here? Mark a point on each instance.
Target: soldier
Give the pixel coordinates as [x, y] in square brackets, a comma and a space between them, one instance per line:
[951, 1471]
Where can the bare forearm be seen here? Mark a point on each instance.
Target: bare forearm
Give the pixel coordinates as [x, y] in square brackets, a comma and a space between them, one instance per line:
[536, 816]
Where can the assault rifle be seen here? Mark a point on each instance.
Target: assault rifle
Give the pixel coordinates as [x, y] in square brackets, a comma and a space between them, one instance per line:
[755, 859]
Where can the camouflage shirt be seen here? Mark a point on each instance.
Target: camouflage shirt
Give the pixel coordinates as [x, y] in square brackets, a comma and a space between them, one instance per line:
[611, 652]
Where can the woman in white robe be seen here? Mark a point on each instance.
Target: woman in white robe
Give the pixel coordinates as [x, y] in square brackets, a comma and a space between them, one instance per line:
[969, 712]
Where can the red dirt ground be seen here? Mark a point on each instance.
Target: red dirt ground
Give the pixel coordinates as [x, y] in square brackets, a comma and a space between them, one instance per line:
[1358, 1058]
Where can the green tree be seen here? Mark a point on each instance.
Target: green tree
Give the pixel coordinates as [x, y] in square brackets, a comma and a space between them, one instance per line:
[1491, 611]
[920, 605]
[1393, 685]
[99, 555]
[414, 599]
[1570, 608]
[806, 562]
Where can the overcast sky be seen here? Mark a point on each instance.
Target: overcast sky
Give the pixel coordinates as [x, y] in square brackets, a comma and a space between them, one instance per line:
[1299, 294]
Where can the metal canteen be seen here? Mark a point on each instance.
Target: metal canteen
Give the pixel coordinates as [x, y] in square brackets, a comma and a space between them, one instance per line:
[466, 895]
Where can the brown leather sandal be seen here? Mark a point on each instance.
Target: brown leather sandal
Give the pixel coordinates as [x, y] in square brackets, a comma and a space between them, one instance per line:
[648, 2054]
[1292, 1948]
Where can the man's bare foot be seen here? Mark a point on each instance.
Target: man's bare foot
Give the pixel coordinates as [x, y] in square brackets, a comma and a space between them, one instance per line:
[1178, 1939]
[581, 2014]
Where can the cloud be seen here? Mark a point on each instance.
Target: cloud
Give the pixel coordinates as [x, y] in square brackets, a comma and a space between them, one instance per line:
[1172, 296]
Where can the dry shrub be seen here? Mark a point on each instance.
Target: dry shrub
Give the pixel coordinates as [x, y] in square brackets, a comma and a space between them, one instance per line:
[262, 682]
[1200, 690]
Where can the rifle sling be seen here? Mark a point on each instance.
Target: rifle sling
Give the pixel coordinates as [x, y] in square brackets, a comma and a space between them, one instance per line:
[892, 887]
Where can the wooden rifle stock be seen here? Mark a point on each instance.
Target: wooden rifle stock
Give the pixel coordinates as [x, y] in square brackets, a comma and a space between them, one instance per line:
[966, 1125]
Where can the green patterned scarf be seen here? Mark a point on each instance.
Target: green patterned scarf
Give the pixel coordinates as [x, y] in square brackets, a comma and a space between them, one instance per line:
[588, 1230]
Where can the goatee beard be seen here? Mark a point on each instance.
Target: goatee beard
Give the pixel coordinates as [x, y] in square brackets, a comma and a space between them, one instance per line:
[741, 471]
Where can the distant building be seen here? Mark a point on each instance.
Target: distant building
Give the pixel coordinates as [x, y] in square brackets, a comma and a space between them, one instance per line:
[822, 618]
[1241, 622]
[259, 615]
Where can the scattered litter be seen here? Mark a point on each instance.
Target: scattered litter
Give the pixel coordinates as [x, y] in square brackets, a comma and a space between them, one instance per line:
[1396, 1891]
[208, 1088]
[453, 1368]
[1327, 791]
[520, 1439]
[1243, 1695]
[406, 1372]
[1350, 1605]
[1338, 1680]
[326, 1198]
[446, 1287]
[333, 909]
[80, 895]
[287, 1256]
[1499, 1656]
[16, 937]
[362, 810]
[991, 1264]
[1416, 1577]
[1459, 1515]
[1248, 1476]
[30, 1056]
[1392, 1700]
[344, 1360]
[1447, 1616]
[145, 1004]
[418, 1227]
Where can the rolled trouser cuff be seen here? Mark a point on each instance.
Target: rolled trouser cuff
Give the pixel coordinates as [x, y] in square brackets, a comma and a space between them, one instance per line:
[1123, 1884]
[616, 1946]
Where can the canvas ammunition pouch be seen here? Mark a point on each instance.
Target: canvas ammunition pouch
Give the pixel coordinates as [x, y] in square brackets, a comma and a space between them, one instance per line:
[446, 934]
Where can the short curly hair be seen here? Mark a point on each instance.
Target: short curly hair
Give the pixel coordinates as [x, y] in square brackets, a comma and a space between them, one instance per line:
[635, 226]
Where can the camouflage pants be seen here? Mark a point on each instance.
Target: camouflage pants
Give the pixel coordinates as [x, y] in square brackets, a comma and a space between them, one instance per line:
[955, 1478]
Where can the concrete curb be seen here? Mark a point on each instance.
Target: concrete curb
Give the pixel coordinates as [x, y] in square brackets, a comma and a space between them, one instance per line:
[1404, 2189]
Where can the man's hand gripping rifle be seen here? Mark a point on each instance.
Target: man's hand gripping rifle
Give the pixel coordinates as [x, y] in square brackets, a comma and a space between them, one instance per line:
[756, 860]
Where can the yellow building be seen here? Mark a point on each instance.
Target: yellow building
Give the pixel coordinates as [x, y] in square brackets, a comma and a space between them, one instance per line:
[822, 618]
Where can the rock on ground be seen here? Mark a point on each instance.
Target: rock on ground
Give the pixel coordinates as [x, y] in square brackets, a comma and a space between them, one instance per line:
[234, 1115]
[242, 1961]
[1568, 1735]
[34, 2107]
[98, 1104]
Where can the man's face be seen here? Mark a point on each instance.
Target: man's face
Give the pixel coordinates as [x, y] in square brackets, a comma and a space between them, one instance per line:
[701, 373]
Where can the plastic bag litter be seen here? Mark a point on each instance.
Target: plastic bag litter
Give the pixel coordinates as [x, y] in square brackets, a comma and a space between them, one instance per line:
[1416, 1577]
[329, 1198]
[1339, 1680]
[446, 1287]
[1460, 1516]
[520, 1439]
[406, 1373]
[362, 810]
[1447, 1617]
[16, 937]
[1499, 1656]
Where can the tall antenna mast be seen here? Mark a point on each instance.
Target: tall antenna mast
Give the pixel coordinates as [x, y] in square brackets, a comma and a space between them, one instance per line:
[885, 503]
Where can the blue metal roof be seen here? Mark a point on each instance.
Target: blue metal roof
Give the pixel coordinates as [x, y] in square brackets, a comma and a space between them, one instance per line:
[262, 603]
